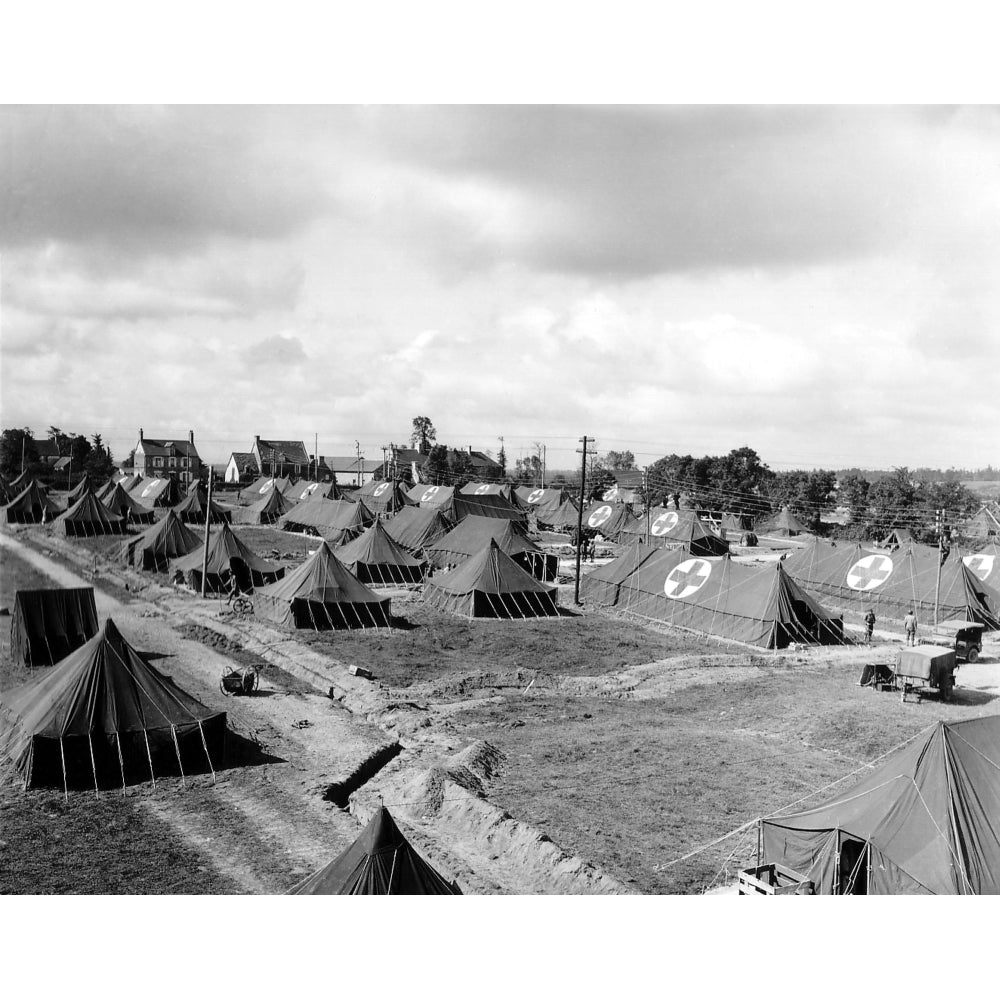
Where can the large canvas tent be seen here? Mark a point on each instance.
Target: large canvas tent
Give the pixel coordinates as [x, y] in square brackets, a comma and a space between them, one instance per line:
[491, 585]
[487, 490]
[985, 565]
[784, 524]
[31, 506]
[264, 485]
[414, 528]
[271, 507]
[755, 604]
[553, 507]
[892, 583]
[382, 497]
[89, 517]
[195, 507]
[322, 594]
[677, 529]
[120, 503]
[374, 558]
[602, 585]
[159, 543]
[381, 862]
[610, 519]
[471, 535]
[924, 822]
[229, 561]
[897, 538]
[49, 624]
[456, 505]
[82, 487]
[335, 520]
[157, 492]
[102, 714]
[984, 524]
[312, 490]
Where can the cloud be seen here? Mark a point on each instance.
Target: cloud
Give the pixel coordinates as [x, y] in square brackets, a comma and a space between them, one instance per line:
[280, 351]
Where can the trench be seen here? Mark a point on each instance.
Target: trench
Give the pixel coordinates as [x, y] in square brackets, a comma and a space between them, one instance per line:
[340, 792]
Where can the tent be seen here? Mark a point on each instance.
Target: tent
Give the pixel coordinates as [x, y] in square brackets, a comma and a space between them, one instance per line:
[195, 507]
[985, 565]
[897, 538]
[784, 524]
[104, 713]
[312, 490]
[21, 482]
[88, 516]
[49, 624]
[268, 509]
[610, 519]
[120, 503]
[984, 524]
[413, 528]
[893, 583]
[487, 490]
[471, 535]
[925, 822]
[31, 506]
[382, 498]
[263, 485]
[430, 496]
[455, 505]
[677, 529]
[757, 604]
[554, 507]
[491, 585]
[602, 585]
[619, 494]
[374, 558]
[82, 487]
[335, 520]
[381, 862]
[157, 492]
[321, 594]
[159, 543]
[737, 523]
[229, 560]
[129, 483]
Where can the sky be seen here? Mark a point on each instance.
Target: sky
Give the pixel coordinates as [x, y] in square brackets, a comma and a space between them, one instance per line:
[816, 282]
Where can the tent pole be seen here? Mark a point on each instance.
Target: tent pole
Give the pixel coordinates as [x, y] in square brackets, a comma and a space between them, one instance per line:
[121, 760]
[62, 754]
[93, 764]
[204, 559]
[173, 732]
[204, 743]
[149, 757]
[760, 833]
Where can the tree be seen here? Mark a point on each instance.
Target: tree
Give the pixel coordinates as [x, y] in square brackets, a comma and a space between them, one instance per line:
[853, 494]
[58, 437]
[502, 459]
[892, 501]
[460, 469]
[619, 460]
[14, 443]
[423, 434]
[435, 468]
[99, 464]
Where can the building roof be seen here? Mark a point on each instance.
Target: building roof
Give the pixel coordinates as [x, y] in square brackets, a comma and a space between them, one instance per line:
[349, 464]
[243, 459]
[293, 452]
[167, 446]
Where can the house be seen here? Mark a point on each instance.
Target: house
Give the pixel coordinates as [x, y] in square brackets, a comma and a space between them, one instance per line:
[485, 469]
[280, 458]
[241, 468]
[48, 451]
[158, 458]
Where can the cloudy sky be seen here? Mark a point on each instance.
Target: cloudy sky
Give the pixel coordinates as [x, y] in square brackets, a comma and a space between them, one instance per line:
[817, 282]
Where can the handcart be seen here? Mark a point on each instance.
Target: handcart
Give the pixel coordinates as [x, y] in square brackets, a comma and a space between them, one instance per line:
[920, 669]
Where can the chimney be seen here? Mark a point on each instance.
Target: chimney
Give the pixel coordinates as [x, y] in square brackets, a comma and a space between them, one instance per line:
[140, 433]
[470, 449]
[256, 441]
[190, 437]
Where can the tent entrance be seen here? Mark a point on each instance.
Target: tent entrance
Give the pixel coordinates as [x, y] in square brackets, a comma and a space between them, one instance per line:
[854, 865]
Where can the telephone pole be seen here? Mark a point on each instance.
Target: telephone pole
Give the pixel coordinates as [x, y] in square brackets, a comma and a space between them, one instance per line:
[579, 514]
[208, 521]
[939, 522]
[645, 494]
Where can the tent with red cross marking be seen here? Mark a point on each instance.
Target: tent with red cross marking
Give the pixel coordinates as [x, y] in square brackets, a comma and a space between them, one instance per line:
[553, 507]
[677, 529]
[165, 492]
[893, 583]
[609, 519]
[383, 498]
[985, 565]
[756, 604]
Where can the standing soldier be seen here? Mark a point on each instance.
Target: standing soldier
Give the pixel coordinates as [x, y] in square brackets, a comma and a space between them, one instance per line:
[910, 624]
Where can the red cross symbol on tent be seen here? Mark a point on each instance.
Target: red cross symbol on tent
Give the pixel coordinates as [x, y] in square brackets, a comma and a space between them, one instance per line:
[484, 488]
[150, 487]
[610, 494]
[535, 496]
[868, 573]
[981, 564]
[664, 523]
[429, 492]
[309, 489]
[683, 580]
[380, 489]
[266, 486]
[599, 516]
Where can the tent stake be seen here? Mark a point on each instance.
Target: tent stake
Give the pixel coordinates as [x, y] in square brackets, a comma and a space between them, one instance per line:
[93, 764]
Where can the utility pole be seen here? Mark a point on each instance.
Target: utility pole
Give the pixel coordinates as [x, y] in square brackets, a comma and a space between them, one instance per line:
[579, 514]
[645, 493]
[937, 587]
[208, 521]
[357, 478]
[316, 456]
[24, 437]
[544, 454]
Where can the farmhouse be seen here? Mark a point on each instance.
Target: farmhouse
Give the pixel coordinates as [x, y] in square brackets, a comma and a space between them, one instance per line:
[158, 458]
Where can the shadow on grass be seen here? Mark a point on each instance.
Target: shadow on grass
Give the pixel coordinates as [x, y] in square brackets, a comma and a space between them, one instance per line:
[403, 624]
[244, 751]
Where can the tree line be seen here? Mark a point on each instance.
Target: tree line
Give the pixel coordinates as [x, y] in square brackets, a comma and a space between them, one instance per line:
[19, 450]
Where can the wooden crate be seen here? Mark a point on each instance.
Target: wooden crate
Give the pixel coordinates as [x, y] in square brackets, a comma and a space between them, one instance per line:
[773, 880]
